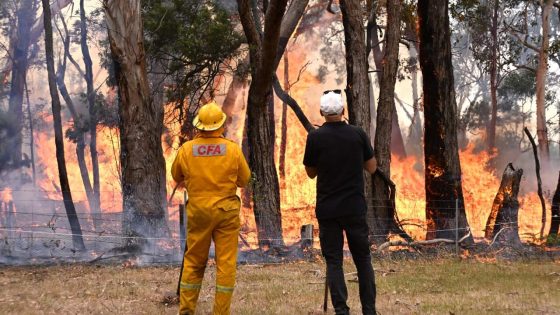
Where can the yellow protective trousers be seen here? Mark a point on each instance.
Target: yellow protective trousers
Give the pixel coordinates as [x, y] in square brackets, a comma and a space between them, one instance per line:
[221, 224]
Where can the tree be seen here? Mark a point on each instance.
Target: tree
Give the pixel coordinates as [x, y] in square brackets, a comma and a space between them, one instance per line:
[373, 45]
[25, 15]
[542, 69]
[442, 165]
[263, 52]
[91, 101]
[59, 139]
[383, 209]
[141, 123]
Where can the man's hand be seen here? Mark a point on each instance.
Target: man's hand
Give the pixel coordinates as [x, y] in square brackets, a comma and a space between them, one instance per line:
[311, 171]
[370, 165]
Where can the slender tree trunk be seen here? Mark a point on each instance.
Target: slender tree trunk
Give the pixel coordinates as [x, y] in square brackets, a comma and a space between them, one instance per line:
[542, 133]
[91, 95]
[442, 165]
[31, 133]
[141, 124]
[25, 16]
[263, 52]
[357, 83]
[491, 133]
[284, 121]
[504, 215]
[58, 136]
[383, 211]
[373, 44]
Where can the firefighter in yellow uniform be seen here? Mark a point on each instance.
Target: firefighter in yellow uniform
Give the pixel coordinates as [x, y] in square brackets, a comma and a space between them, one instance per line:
[211, 168]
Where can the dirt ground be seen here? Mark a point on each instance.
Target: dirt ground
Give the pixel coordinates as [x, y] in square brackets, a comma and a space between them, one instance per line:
[405, 286]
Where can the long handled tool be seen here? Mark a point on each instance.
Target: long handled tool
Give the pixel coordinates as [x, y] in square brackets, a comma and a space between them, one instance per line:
[326, 298]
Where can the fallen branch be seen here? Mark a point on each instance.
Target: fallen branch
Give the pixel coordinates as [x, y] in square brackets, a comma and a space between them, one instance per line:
[418, 243]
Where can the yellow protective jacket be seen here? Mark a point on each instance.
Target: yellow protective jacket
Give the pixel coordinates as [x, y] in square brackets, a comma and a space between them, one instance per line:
[211, 166]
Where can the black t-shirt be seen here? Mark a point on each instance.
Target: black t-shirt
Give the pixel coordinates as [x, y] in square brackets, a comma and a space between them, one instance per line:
[338, 151]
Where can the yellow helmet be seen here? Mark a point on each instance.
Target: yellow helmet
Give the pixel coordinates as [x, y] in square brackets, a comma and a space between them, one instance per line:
[210, 117]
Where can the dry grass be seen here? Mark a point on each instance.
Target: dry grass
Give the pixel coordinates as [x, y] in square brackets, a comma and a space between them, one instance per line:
[443, 286]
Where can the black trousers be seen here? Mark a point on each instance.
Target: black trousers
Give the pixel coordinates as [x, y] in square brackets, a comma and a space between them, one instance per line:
[332, 242]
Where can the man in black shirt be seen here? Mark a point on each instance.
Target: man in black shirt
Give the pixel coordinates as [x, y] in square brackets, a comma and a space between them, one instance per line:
[337, 154]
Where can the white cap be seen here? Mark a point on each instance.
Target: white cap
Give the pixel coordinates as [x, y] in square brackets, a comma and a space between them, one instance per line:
[331, 103]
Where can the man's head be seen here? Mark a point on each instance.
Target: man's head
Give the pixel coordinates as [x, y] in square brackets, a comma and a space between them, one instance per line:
[332, 107]
[210, 118]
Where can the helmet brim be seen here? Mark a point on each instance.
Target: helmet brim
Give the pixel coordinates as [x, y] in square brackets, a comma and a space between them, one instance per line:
[200, 126]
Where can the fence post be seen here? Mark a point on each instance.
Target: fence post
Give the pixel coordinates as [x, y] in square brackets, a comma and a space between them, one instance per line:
[457, 227]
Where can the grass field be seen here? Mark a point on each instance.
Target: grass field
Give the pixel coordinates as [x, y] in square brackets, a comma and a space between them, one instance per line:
[435, 286]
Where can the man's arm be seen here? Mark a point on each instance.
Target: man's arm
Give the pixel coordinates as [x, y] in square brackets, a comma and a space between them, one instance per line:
[311, 171]
[176, 171]
[244, 173]
[370, 165]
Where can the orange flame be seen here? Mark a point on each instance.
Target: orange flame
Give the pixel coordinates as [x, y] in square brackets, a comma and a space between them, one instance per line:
[6, 195]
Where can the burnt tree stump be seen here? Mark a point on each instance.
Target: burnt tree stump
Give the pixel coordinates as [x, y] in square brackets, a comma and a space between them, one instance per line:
[502, 221]
[555, 222]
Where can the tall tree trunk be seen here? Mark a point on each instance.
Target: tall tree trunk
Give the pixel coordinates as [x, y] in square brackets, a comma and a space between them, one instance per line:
[373, 45]
[542, 133]
[58, 136]
[555, 221]
[491, 133]
[31, 137]
[141, 124]
[442, 165]
[357, 82]
[263, 52]
[95, 210]
[383, 211]
[25, 15]
[284, 121]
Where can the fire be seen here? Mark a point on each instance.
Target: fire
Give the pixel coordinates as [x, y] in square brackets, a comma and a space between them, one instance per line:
[479, 190]
[6, 195]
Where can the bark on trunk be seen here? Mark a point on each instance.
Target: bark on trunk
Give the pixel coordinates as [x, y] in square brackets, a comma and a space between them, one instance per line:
[25, 17]
[284, 122]
[442, 165]
[373, 45]
[504, 215]
[141, 124]
[95, 204]
[383, 211]
[555, 221]
[357, 82]
[77, 239]
[542, 132]
[263, 52]
[491, 134]
[31, 133]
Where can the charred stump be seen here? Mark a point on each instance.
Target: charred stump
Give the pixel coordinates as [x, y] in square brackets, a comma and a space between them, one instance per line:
[555, 221]
[502, 221]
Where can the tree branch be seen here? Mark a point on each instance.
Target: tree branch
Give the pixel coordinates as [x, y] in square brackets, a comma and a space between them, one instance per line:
[286, 98]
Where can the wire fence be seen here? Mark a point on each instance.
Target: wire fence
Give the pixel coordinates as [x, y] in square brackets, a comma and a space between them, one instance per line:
[34, 229]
